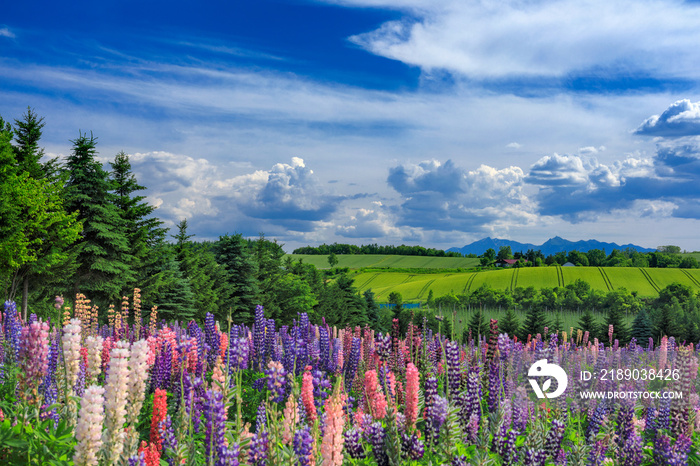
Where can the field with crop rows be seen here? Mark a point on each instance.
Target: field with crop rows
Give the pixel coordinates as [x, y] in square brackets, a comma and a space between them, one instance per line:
[357, 261]
[415, 287]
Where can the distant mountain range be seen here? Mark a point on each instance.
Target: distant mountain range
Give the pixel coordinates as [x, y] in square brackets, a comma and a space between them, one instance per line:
[551, 246]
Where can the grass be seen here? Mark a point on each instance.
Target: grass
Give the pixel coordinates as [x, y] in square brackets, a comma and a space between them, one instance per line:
[358, 261]
[415, 287]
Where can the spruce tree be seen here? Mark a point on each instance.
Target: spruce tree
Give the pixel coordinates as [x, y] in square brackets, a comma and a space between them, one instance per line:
[535, 322]
[510, 323]
[102, 254]
[477, 324]
[171, 291]
[588, 323]
[143, 231]
[372, 308]
[642, 328]
[27, 134]
[232, 252]
[620, 330]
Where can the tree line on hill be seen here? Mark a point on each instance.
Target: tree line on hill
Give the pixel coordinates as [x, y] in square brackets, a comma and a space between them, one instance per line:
[664, 257]
[74, 226]
[403, 250]
[675, 312]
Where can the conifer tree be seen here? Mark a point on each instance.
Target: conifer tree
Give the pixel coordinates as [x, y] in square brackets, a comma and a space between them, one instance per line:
[232, 252]
[642, 328]
[510, 323]
[27, 134]
[535, 322]
[372, 308]
[102, 254]
[620, 330]
[143, 231]
[477, 324]
[588, 323]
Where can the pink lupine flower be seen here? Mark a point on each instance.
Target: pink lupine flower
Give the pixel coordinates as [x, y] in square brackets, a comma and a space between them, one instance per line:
[107, 346]
[217, 375]
[332, 444]
[375, 398]
[610, 332]
[663, 352]
[88, 431]
[412, 387]
[289, 420]
[33, 354]
[307, 396]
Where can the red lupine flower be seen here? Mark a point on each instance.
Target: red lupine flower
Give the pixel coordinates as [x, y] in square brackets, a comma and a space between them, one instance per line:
[151, 454]
[307, 395]
[160, 410]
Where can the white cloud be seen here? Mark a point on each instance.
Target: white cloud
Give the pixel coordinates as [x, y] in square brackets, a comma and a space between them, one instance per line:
[682, 118]
[514, 145]
[540, 38]
[5, 32]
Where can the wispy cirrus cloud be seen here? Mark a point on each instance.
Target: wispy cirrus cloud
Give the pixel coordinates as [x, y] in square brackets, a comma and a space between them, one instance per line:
[544, 38]
[5, 32]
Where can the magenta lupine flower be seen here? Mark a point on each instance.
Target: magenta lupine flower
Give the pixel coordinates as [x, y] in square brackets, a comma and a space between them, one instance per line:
[34, 354]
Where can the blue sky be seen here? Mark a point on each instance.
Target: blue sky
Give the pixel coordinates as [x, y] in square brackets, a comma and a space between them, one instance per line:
[432, 122]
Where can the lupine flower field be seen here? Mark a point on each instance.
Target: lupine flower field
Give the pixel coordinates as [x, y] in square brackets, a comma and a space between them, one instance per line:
[139, 391]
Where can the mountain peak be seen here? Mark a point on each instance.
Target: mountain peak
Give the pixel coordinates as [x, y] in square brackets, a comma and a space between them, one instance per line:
[551, 246]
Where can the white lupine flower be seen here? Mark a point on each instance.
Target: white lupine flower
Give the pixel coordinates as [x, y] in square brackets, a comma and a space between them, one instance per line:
[94, 359]
[88, 431]
[115, 400]
[71, 351]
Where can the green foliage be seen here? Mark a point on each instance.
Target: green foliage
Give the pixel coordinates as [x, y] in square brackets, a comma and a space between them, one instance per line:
[102, 254]
[510, 324]
[232, 253]
[642, 328]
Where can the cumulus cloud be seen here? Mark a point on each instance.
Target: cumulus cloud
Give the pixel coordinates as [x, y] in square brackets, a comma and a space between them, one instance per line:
[579, 188]
[552, 38]
[682, 118]
[443, 196]
[285, 197]
[374, 223]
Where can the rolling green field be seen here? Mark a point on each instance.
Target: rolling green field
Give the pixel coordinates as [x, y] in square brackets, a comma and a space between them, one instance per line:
[415, 287]
[357, 261]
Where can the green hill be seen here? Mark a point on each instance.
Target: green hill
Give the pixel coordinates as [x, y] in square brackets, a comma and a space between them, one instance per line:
[358, 261]
[414, 287]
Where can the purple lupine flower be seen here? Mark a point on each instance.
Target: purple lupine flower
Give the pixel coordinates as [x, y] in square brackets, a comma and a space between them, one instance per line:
[597, 420]
[597, 455]
[324, 348]
[412, 446]
[459, 461]
[261, 418]
[552, 441]
[454, 377]
[197, 407]
[276, 378]
[321, 387]
[303, 443]
[495, 385]
[162, 368]
[504, 445]
[650, 423]
[215, 415]
[301, 354]
[211, 338]
[662, 417]
[431, 387]
[470, 408]
[238, 355]
[352, 363]
[79, 387]
[534, 457]
[137, 459]
[12, 329]
[625, 423]
[375, 434]
[353, 443]
[167, 434]
[631, 451]
[437, 415]
[259, 446]
[671, 455]
[259, 337]
[382, 346]
[228, 456]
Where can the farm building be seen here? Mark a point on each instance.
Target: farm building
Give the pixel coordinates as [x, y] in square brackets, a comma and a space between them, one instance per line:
[569, 264]
[508, 262]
